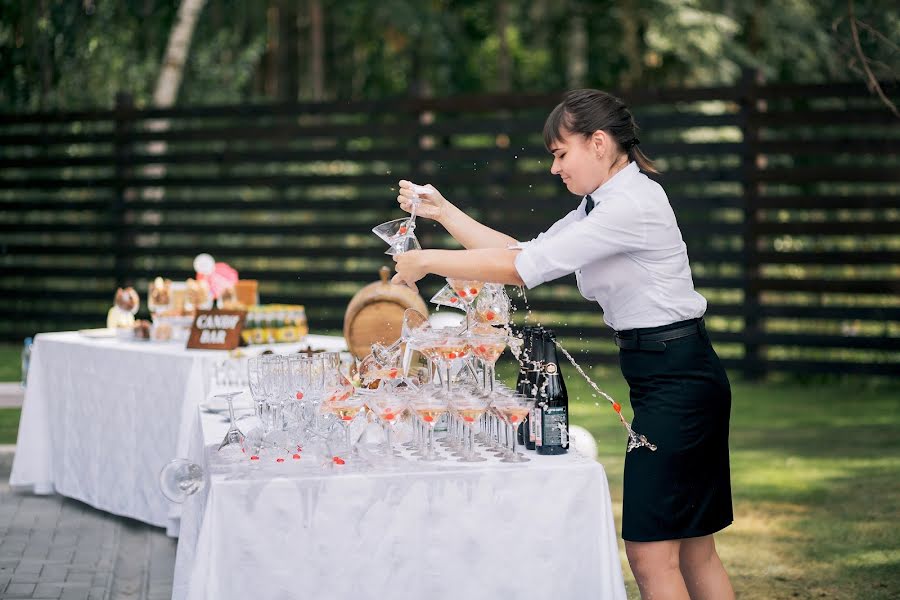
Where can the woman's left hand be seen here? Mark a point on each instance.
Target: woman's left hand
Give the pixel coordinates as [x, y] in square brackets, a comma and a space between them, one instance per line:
[410, 268]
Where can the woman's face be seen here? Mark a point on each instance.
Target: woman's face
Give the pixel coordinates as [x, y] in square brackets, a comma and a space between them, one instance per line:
[577, 160]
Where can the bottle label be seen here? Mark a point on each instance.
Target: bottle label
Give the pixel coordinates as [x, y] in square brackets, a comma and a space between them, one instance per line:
[554, 426]
[534, 421]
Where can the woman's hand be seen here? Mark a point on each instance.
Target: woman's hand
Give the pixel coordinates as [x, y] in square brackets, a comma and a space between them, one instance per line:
[410, 268]
[432, 203]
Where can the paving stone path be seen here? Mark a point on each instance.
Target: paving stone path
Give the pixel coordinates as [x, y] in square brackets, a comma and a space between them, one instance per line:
[54, 547]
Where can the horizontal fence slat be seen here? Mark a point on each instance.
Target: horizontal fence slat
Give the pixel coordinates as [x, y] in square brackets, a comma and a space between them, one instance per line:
[297, 188]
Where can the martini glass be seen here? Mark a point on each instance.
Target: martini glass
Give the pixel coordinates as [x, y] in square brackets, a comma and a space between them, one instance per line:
[493, 305]
[513, 410]
[450, 349]
[233, 441]
[488, 348]
[469, 408]
[430, 409]
[181, 478]
[467, 290]
[345, 409]
[400, 233]
[447, 297]
[388, 405]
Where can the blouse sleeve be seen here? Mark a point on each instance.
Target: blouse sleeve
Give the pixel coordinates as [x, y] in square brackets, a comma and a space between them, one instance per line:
[614, 226]
[554, 229]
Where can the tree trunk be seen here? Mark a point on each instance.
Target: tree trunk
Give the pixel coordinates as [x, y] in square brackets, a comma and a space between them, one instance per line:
[167, 85]
[176, 53]
[631, 44]
[46, 62]
[288, 66]
[504, 60]
[577, 66]
[317, 49]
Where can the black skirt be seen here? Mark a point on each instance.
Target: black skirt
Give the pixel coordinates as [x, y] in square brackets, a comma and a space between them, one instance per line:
[682, 403]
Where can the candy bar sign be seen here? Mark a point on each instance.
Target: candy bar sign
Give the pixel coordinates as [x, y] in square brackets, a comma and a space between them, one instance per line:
[217, 329]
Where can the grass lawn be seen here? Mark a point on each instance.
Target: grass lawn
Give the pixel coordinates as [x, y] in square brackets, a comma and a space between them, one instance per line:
[815, 478]
[10, 362]
[9, 425]
[816, 485]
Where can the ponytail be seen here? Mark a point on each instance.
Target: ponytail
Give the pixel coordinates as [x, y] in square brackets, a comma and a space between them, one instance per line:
[587, 111]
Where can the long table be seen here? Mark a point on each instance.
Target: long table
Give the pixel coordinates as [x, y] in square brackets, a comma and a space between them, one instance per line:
[309, 529]
[101, 417]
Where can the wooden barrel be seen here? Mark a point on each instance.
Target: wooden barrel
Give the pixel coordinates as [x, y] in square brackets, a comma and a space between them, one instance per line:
[375, 314]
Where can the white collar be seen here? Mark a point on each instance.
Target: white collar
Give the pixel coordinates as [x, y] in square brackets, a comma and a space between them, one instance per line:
[615, 182]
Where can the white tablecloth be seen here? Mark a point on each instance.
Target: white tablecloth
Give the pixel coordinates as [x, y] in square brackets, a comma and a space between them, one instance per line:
[102, 416]
[542, 529]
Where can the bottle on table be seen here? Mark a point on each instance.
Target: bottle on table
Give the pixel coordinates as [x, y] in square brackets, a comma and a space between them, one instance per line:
[26, 359]
[522, 382]
[552, 406]
[534, 385]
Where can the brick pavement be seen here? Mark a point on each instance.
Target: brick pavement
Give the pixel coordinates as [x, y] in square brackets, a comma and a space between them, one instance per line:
[54, 547]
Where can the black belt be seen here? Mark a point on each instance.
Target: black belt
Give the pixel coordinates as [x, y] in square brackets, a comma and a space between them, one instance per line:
[655, 341]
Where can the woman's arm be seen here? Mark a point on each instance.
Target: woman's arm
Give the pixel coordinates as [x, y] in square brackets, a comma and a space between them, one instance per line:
[466, 230]
[495, 265]
[472, 234]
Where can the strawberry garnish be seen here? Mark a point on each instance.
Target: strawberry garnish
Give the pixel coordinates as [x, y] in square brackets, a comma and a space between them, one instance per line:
[454, 300]
[428, 418]
[296, 457]
[299, 395]
[617, 407]
[279, 459]
[489, 315]
[338, 460]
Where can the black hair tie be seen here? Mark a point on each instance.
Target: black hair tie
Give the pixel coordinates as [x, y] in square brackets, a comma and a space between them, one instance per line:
[634, 142]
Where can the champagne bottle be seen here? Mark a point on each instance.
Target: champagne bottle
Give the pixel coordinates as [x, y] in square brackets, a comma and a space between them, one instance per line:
[523, 385]
[534, 385]
[522, 379]
[552, 412]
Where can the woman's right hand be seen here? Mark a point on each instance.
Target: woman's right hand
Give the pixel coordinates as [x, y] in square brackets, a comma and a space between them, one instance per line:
[432, 203]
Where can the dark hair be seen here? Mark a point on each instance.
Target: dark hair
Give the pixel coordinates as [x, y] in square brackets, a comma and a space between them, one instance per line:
[586, 111]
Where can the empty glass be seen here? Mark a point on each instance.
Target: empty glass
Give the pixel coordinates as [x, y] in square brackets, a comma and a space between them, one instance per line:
[181, 478]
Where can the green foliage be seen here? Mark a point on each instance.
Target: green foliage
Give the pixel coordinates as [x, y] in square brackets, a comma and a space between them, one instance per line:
[60, 54]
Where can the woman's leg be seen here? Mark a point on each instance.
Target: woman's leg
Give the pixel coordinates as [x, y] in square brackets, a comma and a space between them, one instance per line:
[703, 572]
[656, 569]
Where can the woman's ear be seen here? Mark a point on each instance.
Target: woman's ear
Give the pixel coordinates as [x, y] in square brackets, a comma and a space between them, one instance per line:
[599, 143]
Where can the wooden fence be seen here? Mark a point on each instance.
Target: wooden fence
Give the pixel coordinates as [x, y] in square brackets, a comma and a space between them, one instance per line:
[788, 197]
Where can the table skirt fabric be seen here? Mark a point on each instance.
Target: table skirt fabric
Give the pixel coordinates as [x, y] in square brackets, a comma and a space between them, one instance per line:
[542, 529]
[101, 417]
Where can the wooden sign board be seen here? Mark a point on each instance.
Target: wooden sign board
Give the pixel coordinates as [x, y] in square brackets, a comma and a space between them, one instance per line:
[217, 329]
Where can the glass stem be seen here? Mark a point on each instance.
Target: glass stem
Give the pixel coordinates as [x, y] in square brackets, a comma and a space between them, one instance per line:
[512, 432]
[347, 437]
[231, 411]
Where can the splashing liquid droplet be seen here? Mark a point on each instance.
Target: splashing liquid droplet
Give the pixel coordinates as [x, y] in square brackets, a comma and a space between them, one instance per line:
[635, 440]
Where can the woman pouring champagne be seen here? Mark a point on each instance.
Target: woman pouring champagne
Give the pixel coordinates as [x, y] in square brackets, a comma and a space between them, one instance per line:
[624, 245]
